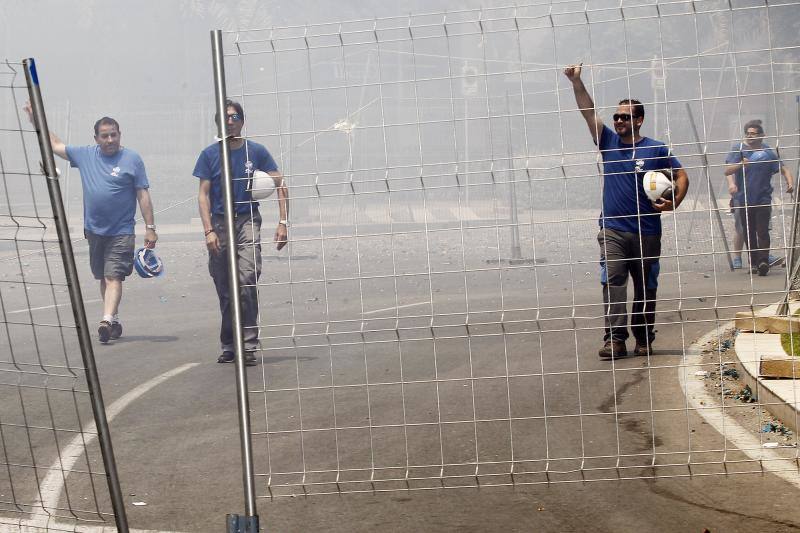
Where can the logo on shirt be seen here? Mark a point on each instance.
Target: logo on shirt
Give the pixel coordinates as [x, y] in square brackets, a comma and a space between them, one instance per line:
[248, 167]
[115, 172]
[639, 165]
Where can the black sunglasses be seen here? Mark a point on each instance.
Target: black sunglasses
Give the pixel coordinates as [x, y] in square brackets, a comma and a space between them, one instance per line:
[236, 117]
[624, 117]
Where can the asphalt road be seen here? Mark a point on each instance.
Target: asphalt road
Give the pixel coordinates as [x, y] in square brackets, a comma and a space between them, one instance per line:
[431, 407]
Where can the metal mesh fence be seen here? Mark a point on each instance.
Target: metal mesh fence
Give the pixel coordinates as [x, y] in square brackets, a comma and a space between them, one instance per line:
[436, 321]
[52, 470]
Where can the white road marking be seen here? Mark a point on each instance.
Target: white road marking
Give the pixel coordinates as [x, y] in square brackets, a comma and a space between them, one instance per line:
[394, 307]
[53, 484]
[706, 405]
[49, 306]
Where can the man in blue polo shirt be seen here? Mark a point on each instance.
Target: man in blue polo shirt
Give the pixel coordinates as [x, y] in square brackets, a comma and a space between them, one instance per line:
[749, 169]
[246, 158]
[630, 224]
[114, 180]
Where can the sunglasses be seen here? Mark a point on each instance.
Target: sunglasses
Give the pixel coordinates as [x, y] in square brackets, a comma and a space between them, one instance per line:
[236, 117]
[754, 133]
[624, 117]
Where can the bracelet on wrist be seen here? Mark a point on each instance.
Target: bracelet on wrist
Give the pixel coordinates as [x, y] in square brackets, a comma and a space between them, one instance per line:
[208, 231]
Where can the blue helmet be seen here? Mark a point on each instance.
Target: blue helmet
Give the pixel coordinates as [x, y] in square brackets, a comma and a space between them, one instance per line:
[147, 263]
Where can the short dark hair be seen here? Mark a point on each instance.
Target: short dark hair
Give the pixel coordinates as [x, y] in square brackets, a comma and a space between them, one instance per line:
[105, 121]
[636, 105]
[234, 104]
[755, 123]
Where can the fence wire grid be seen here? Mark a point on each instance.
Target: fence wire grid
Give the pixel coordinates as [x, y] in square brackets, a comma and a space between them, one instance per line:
[436, 321]
[52, 470]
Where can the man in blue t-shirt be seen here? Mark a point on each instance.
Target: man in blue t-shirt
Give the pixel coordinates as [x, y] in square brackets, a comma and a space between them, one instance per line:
[630, 224]
[749, 168]
[246, 157]
[114, 180]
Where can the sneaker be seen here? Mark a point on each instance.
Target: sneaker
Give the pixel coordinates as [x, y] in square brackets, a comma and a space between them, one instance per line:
[226, 357]
[250, 359]
[116, 330]
[737, 263]
[642, 350]
[763, 268]
[774, 261]
[613, 350]
[104, 331]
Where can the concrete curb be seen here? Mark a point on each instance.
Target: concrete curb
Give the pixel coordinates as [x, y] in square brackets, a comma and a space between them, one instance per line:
[780, 397]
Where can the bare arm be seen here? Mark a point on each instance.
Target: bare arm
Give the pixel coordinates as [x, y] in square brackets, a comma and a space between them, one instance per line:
[732, 188]
[584, 101]
[146, 207]
[735, 167]
[787, 175]
[204, 207]
[59, 148]
[281, 232]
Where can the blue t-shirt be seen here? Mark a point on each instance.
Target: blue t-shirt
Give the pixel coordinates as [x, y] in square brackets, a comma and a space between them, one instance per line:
[626, 207]
[244, 161]
[110, 184]
[754, 182]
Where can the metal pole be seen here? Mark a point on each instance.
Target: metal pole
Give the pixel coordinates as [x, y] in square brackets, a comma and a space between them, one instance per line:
[702, 152]
[516, 252]
[73, 285]
[792, 262]
[248, 477]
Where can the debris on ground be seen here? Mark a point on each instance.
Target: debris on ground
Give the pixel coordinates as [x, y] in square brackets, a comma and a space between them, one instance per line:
[775, 426]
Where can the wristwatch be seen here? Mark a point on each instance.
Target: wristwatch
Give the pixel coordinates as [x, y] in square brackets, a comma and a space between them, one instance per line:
[150, 226]
[284, 222]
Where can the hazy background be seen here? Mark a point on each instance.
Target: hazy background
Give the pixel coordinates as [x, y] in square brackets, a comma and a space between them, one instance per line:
[148, 64]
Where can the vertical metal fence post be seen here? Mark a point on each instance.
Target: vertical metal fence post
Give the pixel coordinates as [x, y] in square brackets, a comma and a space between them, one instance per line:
[792, 254]
[73, 285]
[251, 518]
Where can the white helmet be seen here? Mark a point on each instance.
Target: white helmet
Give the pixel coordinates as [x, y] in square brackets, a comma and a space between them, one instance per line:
[261, 185]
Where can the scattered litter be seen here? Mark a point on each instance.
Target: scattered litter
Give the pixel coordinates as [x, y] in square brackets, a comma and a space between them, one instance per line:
[163, 299]
[138, 504]
[731, 372]
[775, 426]
[746, 395]
[726, 344]
[702, 373]
[770, 445]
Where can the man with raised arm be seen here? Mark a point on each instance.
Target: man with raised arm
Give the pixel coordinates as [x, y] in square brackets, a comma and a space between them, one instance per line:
[247, 157]
[630, 224]
[114, 180]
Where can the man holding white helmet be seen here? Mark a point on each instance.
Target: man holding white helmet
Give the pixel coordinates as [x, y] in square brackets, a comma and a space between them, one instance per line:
[247, 158]
[630, 222]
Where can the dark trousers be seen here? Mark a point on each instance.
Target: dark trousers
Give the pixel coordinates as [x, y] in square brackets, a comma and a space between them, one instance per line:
[248, 239]
[625, 254]
[756, 220]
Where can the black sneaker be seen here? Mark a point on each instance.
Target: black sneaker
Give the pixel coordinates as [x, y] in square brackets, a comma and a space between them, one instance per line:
[250, 359]
[226, 357]
[104, 331]
[116, 330]
[763, 268]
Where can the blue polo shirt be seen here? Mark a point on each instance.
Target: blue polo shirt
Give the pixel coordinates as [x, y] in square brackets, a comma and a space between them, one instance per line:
[755, 181]
[245, 160]
[626, 207]
[110, 184]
